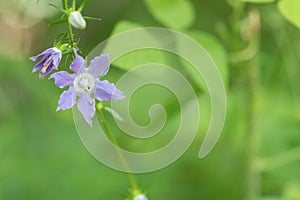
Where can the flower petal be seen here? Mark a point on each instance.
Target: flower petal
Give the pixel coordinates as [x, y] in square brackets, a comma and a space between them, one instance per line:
[105, 91]
[63, 79]
[56, 59]
[40, 64]
[78, 63]
[86, 105]
[67, 99]
[47, 51]
[48, 70]
[99, 66]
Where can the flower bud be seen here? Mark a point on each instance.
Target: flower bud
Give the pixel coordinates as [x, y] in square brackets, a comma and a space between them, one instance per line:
[76, 20]
[140, 197]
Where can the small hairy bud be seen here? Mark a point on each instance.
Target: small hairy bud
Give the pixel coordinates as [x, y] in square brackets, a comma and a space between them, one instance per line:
[76, 20]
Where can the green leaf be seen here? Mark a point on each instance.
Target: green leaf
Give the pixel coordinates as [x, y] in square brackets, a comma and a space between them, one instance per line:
[136, 58]
[290, 9]
[125, 26]
[176, 14]
[139, 57]
[292, 190]
[259, 1]
[215, 50]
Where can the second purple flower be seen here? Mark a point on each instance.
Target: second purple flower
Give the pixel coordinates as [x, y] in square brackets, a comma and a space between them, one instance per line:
[50, 59]
[85, 82]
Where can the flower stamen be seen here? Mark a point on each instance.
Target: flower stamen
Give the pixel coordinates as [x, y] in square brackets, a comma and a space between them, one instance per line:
[46, 65]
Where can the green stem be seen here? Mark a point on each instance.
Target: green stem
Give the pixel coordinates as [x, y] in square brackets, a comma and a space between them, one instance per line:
[252, 145]
[82, 5]
[73, 4]
[70, 31]
[247, 60]
[115, 142]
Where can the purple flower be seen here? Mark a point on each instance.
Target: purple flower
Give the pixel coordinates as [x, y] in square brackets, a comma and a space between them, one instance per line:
[50, 60]
[84, 83]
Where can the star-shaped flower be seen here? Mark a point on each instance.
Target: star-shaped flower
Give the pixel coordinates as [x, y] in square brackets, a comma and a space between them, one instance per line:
[50, 60]
[85, 82]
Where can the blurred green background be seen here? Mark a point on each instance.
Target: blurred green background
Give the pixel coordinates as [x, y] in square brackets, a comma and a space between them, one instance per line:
[256, 47]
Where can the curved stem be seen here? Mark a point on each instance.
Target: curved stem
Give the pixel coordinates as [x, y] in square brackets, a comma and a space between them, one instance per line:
[115, 142]
[70, 31]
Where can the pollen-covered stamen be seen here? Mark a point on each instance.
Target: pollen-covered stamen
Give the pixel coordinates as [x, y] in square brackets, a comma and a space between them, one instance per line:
[46, 65]
[85, 82]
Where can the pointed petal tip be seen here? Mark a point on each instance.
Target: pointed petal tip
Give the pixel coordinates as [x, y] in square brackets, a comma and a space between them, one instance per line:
[106, 91]
[61, 109]
[32, 58]
[90, 123]
[75, 50]
[123, 96]
[52, 76]
[86, 105]
[118, 95]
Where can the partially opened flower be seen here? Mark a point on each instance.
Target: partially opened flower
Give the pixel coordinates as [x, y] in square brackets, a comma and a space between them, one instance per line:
[50, 59]
[85, 82]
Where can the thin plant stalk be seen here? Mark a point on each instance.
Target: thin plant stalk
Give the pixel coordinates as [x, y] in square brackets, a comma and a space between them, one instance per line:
[115, 142]
[70, 31]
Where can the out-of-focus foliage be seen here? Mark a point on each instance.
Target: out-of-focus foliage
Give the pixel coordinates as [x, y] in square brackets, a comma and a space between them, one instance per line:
[167, 12]
[41, 156]
[290, 10]
[259, 1]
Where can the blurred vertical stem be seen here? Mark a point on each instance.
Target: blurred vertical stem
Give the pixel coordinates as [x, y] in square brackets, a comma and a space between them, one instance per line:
[252, 33]
[115, 142]
[248, 59]
[254, 171]
[70, 31]
[246, 32]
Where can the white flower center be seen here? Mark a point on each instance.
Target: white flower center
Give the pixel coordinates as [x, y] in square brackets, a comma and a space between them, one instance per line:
[85, 82]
